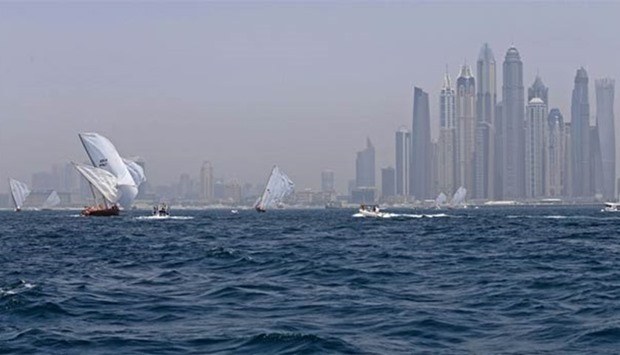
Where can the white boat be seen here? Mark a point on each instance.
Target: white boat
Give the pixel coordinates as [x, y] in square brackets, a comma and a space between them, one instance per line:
[19, 192]
[103, 185]
[277, 188]
[234, 211]
[371, 211]
[611, 207]
[161, 210]
[52, 200]
[103, 154]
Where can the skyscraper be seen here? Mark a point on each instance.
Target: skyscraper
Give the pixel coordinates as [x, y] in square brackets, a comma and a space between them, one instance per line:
[499, 151]
[486, 100]
[420, 169]
[606, 133]
[538, 89]
[465, 127]
[206, 182]
[327, 181]
[403, 161]
[446, 144]
[556, 161]
[580, 138]
[513, 150]
[388, 179]
[365, 166]
[535, 147]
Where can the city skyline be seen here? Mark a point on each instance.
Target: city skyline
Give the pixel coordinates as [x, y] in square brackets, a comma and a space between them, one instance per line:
[180, 87]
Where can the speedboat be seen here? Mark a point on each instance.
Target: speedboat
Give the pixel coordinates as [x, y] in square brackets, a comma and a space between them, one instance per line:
[161, 210]
[371, 211]
[611, 207]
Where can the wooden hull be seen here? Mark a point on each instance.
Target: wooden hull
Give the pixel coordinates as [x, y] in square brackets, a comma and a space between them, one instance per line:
[101, 212]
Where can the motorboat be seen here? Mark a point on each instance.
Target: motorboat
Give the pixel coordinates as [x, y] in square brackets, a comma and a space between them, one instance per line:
[611, 207]
[371, 211]
[162, 210]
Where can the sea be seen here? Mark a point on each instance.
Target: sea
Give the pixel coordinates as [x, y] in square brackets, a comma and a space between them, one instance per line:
[501, 280]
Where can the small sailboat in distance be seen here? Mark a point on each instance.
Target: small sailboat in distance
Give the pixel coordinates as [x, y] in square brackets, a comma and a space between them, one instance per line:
[52, 200]
[458, 198]
[278, 186]
[440, 200]
[19, 192]
[103, 184]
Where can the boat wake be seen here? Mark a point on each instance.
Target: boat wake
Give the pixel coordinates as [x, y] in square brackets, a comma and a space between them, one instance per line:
[402, 215]
[148, 218]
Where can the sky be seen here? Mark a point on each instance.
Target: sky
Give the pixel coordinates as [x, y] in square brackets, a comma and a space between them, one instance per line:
[247, 85]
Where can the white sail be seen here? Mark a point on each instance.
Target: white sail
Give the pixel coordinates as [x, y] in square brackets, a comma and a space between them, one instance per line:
[441, 199]
[101, 180]
[458, 197]
[104, 155]
[135, 170]
[19, 192]
[52, 200]
[278, 187]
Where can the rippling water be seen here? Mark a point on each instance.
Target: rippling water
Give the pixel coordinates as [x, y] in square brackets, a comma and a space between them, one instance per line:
[484, 281]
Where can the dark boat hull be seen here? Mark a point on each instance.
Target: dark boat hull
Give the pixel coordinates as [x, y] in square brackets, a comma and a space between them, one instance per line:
[101, 212]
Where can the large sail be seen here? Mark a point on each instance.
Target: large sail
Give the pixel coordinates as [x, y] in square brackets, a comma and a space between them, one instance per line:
[19, 192]
[458, 197]
[135, 170]
[52, 200]
[101, 180]
[104, 155]
[278, 187]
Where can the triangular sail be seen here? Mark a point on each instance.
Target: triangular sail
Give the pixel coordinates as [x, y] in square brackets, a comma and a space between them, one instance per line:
[52, 200]
[19, 192]
[101, 180]
[135, 170]
[278, 187]
[458, 197]
[441, 199]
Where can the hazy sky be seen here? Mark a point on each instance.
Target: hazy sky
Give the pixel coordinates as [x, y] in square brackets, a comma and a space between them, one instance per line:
[252, 84]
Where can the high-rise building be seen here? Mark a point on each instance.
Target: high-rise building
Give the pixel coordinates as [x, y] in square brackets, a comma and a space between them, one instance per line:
[403, 160]
[446, 157]
[539, 90]
[388, 182]
[606, 133]
[465, 127]
[365, 166]
[535, 147]
[206, 182]
[568, 160]
[420, 168]
[327, 181]
[513, 150]
[499, 151]
[581, 164]
[486, 101]
[556, 155]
